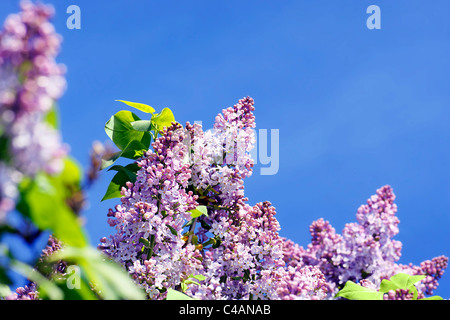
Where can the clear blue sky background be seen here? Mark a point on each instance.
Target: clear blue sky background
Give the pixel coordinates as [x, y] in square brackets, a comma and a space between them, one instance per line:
[356, 108]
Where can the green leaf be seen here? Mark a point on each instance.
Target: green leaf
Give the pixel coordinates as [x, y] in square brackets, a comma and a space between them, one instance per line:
[85, 291]
[106, 162]
[142, 125]
[432, 298]
[4, 290]
[163, 119]
[120, 179]
[134, 150]
[199, 211]
[177, 295]
[44, 201]
[353, 291]
[130, 170]
[52, 117]
[121, 132]
[199, 277]
[140, 106]
[399, 281]
[172, 230]
[145, 242]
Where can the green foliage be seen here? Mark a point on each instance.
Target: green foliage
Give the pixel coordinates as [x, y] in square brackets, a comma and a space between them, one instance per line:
[4, 290]
[46, 201]
[192, 280]
[177, 295]
[353, 291]
[43, 199]
[163, 119]
[121, 132]
[132, 136]
[140, 106]
[199, 211]
[123, 175]
[52, 118]
[46, 287]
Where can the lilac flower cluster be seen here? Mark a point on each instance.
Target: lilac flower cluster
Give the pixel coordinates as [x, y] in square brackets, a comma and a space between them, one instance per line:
[236, 247]
[149, 221]
[366, 250]
[30, 83]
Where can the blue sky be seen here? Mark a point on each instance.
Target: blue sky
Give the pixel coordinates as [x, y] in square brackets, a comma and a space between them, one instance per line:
[356, 108]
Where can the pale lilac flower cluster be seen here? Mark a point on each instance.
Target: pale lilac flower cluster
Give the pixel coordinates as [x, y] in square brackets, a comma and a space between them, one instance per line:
[236, 247]
[149, 221]
[220, 157]
[249, 255]
[366, 249]
[30, 83]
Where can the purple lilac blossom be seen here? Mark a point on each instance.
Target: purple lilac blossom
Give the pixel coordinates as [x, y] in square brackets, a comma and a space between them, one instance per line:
[27, 292]
[154, 209]
[237, 247]
[30, 83]
[366, 250]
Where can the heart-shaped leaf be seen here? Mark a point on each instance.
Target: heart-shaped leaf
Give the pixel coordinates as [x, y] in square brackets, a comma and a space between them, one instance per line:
[140, 106]
[120, 130]
[353, 291]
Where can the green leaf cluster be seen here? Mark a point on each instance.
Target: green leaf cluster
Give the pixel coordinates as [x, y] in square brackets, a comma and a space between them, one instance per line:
[43, 199]
[132, 136]
[353, 291]
[191, 280]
